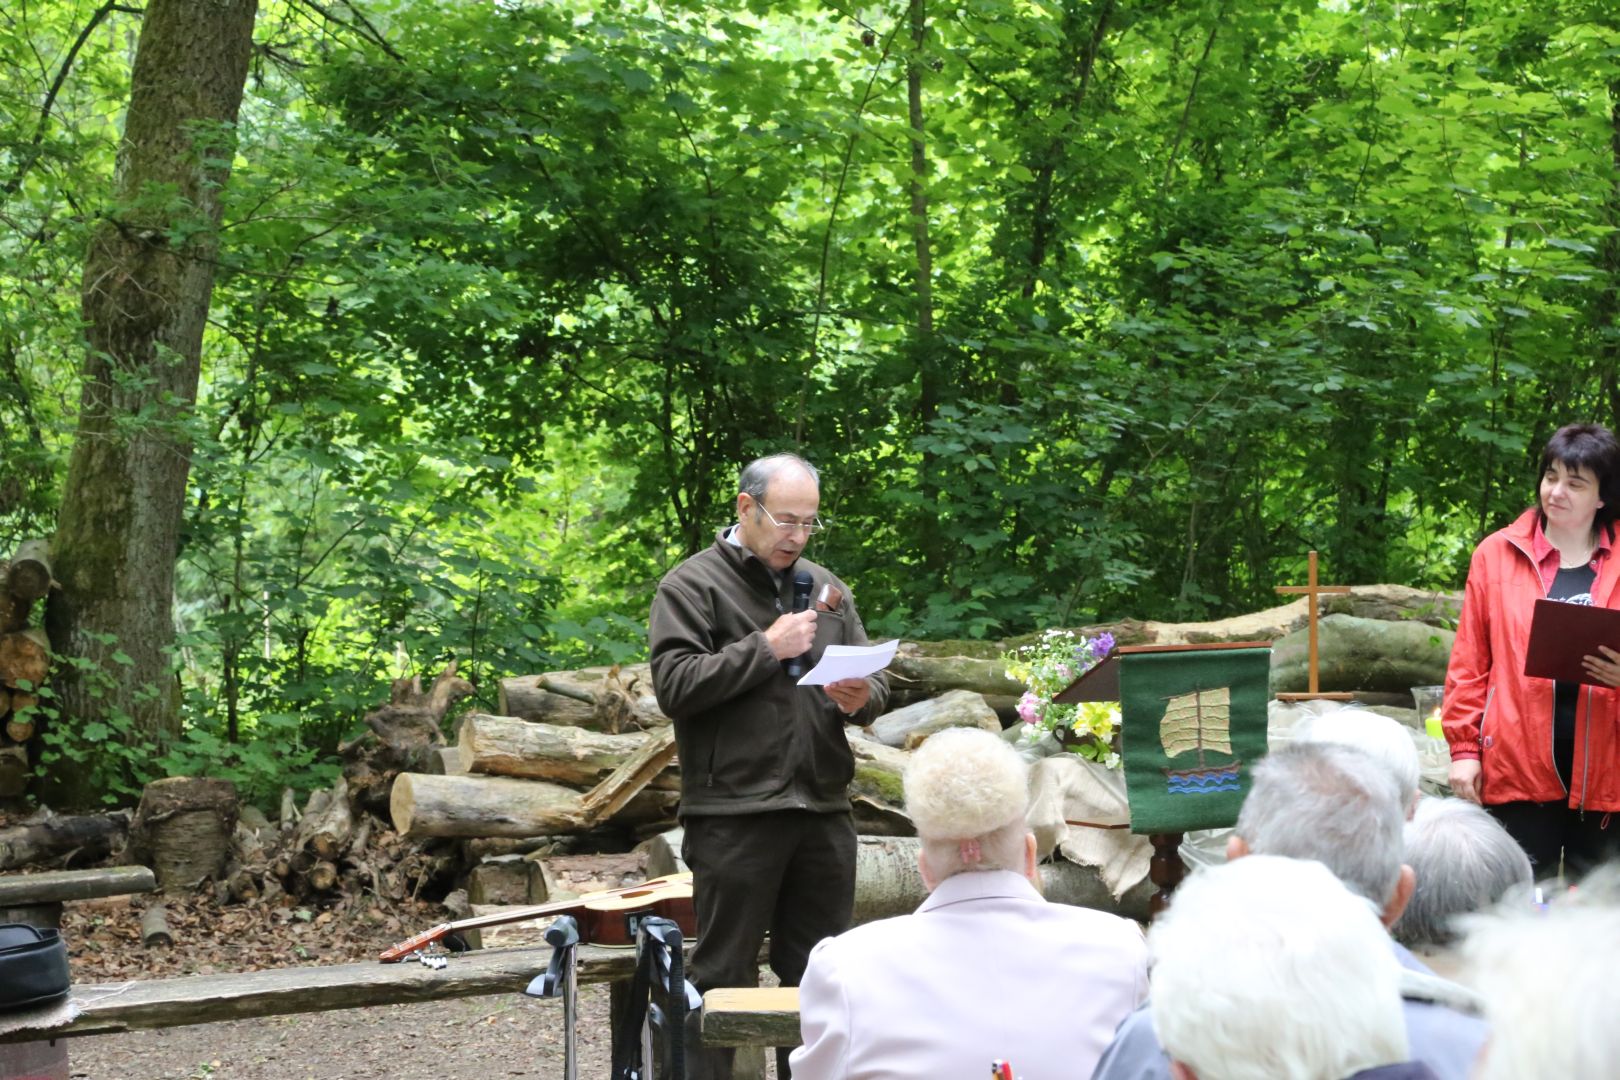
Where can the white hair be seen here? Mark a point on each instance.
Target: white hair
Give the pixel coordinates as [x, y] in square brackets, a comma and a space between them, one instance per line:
[1548, 981]
[964, 784]
[1464, 861]
[1269, 967]
[1331, 803]
[756, 475]
[1383, 738]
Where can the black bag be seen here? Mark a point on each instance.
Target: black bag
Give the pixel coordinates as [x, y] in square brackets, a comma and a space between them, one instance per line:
[33, 967]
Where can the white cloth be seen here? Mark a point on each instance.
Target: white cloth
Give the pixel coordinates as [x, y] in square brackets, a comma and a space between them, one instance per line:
[984, 969]
[1065, 788]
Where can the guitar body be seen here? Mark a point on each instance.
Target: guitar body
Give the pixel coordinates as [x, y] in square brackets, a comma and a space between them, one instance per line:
[611, 920]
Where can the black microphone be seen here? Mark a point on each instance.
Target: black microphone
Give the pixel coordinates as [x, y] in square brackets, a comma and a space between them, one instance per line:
[802, 584]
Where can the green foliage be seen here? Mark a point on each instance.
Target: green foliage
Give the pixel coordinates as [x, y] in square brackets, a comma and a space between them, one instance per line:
[111, 756]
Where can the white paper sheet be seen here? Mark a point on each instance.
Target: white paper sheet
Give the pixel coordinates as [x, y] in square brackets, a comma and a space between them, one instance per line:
[850, 662]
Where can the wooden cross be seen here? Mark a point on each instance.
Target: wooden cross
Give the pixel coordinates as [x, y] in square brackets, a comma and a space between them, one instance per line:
[1313, 590]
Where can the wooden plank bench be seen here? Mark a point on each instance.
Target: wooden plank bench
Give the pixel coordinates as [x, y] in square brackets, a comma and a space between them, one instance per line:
[36, 899]
[751, 1016]
[201, 999]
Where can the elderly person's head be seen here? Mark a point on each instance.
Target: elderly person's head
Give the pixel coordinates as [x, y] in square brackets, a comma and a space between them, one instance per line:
[777, 500]
[1337, 805]
[1269, 967]
[967, 792]
[1385, 739]
[1548, 979]
[1464, 861]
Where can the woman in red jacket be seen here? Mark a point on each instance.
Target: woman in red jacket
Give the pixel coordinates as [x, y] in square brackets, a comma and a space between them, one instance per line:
[1543, 757]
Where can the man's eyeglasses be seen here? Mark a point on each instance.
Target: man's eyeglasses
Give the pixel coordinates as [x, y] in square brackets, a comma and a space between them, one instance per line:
[811, 527]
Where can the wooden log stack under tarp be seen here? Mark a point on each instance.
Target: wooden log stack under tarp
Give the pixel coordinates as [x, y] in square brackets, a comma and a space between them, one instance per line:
[25, 581]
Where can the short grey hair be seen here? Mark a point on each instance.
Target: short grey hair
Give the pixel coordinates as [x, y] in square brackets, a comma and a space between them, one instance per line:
[1268, 967]
[756, 475]
[1332, 803]
[1547, 979]
[1383, 738]
[1464, 860]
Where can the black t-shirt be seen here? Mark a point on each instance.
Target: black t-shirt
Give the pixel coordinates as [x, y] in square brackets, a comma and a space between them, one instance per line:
[1572, 586]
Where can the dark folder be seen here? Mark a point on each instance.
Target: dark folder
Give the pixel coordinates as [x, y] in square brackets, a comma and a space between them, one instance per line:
[1560, 634]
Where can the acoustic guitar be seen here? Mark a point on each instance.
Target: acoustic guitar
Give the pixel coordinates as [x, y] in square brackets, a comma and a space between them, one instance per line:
[605, 918]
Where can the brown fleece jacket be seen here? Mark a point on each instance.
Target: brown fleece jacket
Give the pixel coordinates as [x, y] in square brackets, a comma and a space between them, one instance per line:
[749, 739]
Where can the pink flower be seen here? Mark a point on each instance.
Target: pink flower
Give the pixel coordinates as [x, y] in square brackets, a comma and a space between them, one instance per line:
[1029, 707]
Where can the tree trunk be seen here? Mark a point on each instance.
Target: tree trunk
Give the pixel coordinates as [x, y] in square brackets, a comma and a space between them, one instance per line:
[577, 757]
[597, 698]
[148, 278]
[93, 834]
[1363, 655]
[479, 806]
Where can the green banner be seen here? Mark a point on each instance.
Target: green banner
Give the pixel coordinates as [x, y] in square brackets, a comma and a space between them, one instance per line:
[1192, 722]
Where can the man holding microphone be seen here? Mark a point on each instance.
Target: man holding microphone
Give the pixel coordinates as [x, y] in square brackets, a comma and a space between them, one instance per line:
[765, 765]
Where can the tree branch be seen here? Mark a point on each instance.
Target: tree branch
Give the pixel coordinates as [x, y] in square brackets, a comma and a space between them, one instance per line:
[32, 155]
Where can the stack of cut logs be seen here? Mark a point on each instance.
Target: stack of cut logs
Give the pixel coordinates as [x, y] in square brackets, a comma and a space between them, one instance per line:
[574, 750]
[567, 752]
[24, 658]
[544, 797]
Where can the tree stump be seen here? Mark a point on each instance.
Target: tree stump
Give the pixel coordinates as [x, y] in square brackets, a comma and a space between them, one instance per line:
[405, 735]
[183, 828]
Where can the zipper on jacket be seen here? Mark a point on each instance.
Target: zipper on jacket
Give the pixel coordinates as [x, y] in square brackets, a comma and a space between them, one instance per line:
[1586, 753]
[1552, 729]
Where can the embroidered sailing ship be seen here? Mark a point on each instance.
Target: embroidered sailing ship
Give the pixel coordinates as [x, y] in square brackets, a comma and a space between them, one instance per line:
[1201, 721]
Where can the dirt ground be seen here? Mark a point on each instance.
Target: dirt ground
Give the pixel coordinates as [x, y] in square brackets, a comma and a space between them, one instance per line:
[484, 1037]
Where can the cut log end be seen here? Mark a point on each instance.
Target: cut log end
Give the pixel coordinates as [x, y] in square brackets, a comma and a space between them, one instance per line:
[155, 928]
[29, 576]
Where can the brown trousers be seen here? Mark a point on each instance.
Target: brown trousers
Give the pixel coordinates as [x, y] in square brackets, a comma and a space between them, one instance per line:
[788, 872]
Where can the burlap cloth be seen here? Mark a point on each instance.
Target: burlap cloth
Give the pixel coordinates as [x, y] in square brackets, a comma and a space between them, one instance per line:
[60, 1014]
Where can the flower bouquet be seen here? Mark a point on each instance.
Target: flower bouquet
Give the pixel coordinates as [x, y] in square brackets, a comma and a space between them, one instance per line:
[1048, 666]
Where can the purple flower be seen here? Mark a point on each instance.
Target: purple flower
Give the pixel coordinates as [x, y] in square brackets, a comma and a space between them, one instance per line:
[1102, 644]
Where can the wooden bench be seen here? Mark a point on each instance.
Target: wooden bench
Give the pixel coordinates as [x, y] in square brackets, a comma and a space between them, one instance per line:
[751, 1016]
[37, 899]
[201, 999]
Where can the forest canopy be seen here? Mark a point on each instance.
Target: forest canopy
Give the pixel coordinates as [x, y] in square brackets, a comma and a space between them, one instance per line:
[1085, 308]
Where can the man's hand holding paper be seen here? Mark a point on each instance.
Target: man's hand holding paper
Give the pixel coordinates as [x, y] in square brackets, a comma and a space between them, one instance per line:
[849, 694]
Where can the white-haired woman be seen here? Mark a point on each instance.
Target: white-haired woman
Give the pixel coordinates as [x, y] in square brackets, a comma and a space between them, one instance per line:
[985, 969]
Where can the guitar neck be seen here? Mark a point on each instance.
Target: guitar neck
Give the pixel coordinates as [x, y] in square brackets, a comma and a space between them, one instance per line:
[499, 918]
